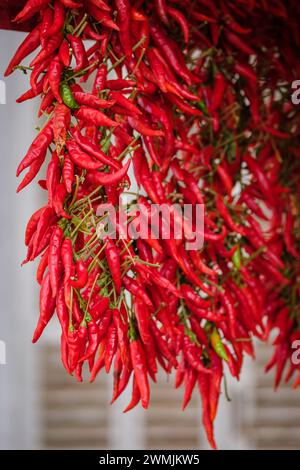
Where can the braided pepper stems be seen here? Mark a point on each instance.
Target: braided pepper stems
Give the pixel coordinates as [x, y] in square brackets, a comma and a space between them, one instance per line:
[200, 107]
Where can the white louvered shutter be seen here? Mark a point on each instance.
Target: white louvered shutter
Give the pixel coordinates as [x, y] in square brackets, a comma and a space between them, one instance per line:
[73, 415]
[271, 420]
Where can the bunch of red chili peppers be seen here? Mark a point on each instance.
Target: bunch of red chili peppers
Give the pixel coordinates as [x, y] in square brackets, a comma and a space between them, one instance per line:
[197, 96]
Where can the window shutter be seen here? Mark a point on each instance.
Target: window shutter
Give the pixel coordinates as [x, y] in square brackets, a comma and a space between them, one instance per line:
[274, 420]
[73, 415]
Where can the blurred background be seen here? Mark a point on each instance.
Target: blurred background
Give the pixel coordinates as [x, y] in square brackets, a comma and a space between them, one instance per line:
[41, 407]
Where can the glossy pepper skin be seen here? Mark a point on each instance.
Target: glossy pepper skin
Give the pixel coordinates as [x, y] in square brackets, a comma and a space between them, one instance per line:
[38, 148]
[114, 263]
[138, 359]
[54, 258]
[47, 307]
[29, 45]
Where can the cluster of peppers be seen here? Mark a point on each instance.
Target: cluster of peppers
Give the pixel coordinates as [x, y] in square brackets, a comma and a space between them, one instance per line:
[197, 96]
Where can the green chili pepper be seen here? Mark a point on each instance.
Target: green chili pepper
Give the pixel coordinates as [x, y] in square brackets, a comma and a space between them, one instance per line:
[237, 258]
[67, 96]
[217, 345]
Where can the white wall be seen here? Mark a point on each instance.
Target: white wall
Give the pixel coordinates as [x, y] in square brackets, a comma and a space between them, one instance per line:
[17, 292]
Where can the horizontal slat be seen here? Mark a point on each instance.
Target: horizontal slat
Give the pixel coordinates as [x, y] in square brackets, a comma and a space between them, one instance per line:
[274, 420]
[74, 415]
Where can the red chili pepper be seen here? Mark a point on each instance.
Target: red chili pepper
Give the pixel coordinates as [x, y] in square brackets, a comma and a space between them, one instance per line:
[36, 72]
[82, 336]
[101, 17]
[38, 148]
[147, 183]
[65, 353]
[46, 23]
[203, 384]
[199, 331]
[122, 334]
[185, 264]
[136, 289]
[120, 84]
[190, 295]
[47, 307]
[58, 19]
[45, 219]
[99, 307]
[59, 200]
[54, 258]
[99, 364]
[136, 395]
[82, 275]
[190, 380]
[65, 53]
[111, 346]
[74, 344]
[253, 206]
[62, 311]
[61, 124]
[192, 355]
[95, 117]
[79, 52]
[125, 103]
[104, 323]
[123, 20]
[172, 55]
[71, 4]
[139, 364]
[164, 283]
[203, 313]
[30, 175]
[151, 355]
[183, 106]
[246, 71]
[30, 43]
[93, 150]
[31, 7]
[52, 46]
[68, 173]
[261, 178]
[93, 341]
[162, 345]
[46, 104]
[43, 264]
[86, 99]
[200, 265]
[140, 126]
[41, 247]
[142, 315]
[237, 42]
[100, 80]
[108, 179]
[218, 93]
[113, 261]
[67, 257]
[54, 77]
[32, 93]
[231, 312]
[223, 211]
[179, 17]
[118, 368]
[122, 383]
[81, 159]
[32, 225]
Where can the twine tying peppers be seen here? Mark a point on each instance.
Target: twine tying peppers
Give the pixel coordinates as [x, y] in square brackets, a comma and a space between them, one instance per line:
[200, 103]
